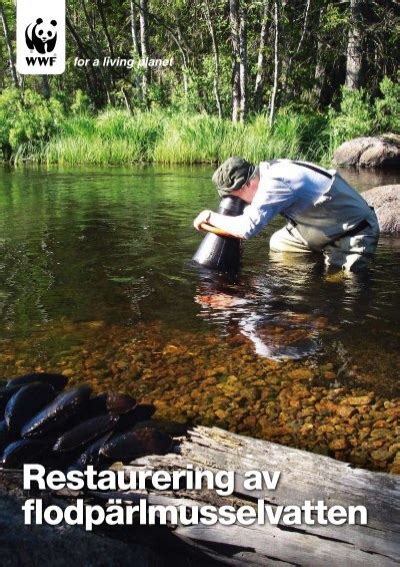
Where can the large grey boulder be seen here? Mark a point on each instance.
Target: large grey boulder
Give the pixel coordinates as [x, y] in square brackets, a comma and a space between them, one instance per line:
[386, 202]
[373, 151]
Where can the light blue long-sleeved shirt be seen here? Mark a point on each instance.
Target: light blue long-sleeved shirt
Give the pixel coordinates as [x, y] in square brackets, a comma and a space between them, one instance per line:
[285, 187]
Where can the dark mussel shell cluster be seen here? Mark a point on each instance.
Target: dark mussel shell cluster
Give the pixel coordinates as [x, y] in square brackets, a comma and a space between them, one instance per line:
[42, 422]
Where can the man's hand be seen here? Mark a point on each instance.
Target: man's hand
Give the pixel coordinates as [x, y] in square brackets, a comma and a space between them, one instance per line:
[204, 216]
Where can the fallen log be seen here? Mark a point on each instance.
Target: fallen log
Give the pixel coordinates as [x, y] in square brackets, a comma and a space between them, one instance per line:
[304, 477]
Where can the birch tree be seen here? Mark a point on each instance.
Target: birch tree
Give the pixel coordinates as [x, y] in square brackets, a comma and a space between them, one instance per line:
[319, 71]
[103, 20]
[272, 109]
[144, 46]
[93, 35]
[243, 64]
[215, 50]
[260, 68]
[134, 34]
[7, 37]
[354, 47]
[235, 32]
[95, 91]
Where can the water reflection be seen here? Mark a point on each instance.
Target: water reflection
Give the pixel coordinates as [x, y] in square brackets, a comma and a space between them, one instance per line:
[273, 307]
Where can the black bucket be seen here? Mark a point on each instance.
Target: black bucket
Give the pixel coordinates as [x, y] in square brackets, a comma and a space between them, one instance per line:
[222, 253]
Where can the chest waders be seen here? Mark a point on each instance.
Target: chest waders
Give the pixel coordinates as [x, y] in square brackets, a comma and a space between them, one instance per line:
[338, 212]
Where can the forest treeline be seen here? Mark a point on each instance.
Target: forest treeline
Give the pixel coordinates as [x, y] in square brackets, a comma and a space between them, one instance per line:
[328, 67]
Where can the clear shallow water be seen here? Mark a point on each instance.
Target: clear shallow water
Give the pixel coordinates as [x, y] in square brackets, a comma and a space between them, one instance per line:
[114, 245]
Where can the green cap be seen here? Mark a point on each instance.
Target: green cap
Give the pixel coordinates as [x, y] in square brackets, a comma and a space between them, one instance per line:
[232, 174]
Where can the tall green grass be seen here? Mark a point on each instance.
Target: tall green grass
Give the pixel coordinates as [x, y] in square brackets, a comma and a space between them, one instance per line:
[35, 129]
[112, 137]
[115, 137]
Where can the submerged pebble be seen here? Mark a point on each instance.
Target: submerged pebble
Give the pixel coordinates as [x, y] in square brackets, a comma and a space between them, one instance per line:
[195, 378]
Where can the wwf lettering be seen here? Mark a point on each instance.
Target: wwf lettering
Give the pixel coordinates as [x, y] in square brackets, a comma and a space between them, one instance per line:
[41, 61]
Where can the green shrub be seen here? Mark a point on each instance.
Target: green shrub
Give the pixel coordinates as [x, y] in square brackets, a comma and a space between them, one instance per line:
[27, 118]
[81, 103]
[355, 118]
[388, 107]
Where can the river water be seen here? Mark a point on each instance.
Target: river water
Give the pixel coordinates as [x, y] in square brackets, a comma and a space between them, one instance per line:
[98, 259]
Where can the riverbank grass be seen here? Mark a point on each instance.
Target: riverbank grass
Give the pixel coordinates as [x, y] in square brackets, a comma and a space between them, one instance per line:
[35, 129]
[116, 137]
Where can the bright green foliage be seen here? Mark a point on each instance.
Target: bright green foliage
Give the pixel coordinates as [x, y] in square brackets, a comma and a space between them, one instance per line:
[355, 117]
[116, 137]
[191, 138]
[202, 138]
[33, 128]
[359, 116]
[334, 19]
[81, 103]
[388, 107]
[111, 137]
[27, 118]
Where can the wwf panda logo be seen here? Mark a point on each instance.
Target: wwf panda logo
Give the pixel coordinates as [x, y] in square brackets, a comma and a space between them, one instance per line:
[41, 36]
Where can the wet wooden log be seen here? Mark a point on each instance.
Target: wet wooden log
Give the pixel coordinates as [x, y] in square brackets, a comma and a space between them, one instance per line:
[304, 476]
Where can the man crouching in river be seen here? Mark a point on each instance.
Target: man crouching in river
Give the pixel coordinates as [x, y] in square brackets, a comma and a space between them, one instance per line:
[324, 213]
